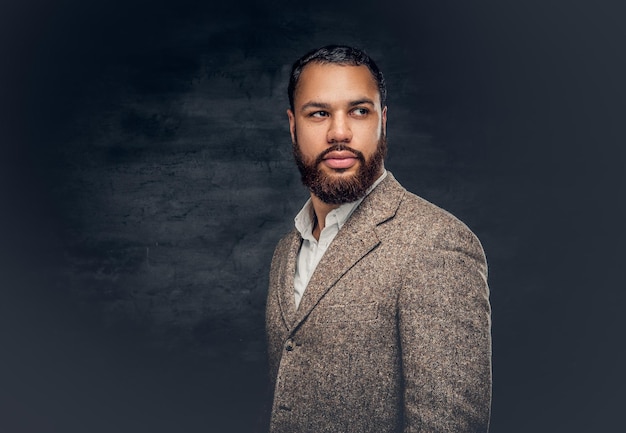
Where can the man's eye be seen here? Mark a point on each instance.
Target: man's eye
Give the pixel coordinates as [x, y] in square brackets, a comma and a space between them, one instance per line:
[360, 112]
[319, 114]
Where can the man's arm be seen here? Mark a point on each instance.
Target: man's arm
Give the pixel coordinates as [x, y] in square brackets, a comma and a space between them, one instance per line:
[444, 323]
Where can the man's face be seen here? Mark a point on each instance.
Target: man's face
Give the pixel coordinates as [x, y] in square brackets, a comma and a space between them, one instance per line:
[338, 131]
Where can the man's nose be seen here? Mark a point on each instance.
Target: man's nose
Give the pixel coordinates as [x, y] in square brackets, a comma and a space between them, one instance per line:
[339, 130]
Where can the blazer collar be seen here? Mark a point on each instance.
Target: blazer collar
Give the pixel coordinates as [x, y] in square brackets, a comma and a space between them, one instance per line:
[355, 240]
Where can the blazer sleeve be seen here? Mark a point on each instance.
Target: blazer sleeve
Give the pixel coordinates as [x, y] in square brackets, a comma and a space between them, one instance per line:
[445, 335]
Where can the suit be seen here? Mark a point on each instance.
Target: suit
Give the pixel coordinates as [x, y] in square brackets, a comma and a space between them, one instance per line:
[393, 331]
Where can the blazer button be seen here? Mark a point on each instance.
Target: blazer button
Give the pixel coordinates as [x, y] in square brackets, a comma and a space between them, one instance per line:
[289, 346]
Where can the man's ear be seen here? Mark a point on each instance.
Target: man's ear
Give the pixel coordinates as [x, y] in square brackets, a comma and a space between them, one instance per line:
[292, 125]
[384, 121]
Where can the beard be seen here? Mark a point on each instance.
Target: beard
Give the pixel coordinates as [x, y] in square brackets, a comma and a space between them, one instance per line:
[334, 189]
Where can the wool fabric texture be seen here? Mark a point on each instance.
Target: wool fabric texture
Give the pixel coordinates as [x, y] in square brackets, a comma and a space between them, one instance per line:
[393, 331]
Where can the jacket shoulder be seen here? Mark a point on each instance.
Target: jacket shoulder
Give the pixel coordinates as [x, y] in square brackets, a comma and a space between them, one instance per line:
[426, 225]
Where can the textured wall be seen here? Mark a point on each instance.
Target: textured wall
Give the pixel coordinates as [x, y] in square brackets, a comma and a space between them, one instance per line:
[147, 176]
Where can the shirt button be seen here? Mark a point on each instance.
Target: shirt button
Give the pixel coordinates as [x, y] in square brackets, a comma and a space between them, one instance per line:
[289, 346]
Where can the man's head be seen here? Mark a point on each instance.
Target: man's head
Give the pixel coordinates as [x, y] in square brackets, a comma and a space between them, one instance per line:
[337, 122]
[337, 55]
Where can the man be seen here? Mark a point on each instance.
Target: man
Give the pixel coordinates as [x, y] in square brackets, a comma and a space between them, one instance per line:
[378, 317]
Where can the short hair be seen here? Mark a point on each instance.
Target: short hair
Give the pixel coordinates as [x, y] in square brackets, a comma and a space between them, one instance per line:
[339, 55]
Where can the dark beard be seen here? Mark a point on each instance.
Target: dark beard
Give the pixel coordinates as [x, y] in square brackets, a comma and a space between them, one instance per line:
[341, 190]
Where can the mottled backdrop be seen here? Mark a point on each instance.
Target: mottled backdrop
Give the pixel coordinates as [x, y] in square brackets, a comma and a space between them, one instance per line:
[146, 176]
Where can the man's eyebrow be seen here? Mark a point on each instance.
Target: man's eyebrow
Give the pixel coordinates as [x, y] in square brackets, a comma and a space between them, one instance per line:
[313, 104]
[325, 106]
[362, 101]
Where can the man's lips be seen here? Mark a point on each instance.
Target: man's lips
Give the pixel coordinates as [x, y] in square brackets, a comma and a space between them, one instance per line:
[340, 159]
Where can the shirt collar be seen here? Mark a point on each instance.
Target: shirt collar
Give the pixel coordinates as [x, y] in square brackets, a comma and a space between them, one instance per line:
[304, 219]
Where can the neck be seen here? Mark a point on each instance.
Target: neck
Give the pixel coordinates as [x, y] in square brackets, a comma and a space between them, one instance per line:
[321, 209]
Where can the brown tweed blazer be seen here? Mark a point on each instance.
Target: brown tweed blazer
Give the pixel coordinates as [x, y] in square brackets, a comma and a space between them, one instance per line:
[393, 331]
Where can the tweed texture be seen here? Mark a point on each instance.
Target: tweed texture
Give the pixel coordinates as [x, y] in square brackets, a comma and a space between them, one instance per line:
[393, 331]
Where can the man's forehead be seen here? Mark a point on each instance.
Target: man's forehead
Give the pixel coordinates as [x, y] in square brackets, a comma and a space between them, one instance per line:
[330, 79]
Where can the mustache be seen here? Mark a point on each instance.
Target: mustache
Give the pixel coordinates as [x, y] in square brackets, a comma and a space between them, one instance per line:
[337, 148]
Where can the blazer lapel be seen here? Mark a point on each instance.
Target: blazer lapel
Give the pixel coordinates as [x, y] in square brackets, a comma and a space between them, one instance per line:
[286, 299]
[355, 240]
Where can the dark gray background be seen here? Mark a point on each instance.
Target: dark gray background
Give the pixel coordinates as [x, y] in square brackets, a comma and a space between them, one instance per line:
[146, 176]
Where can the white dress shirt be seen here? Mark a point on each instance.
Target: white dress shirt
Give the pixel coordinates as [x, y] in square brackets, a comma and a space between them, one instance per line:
[312, 250]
